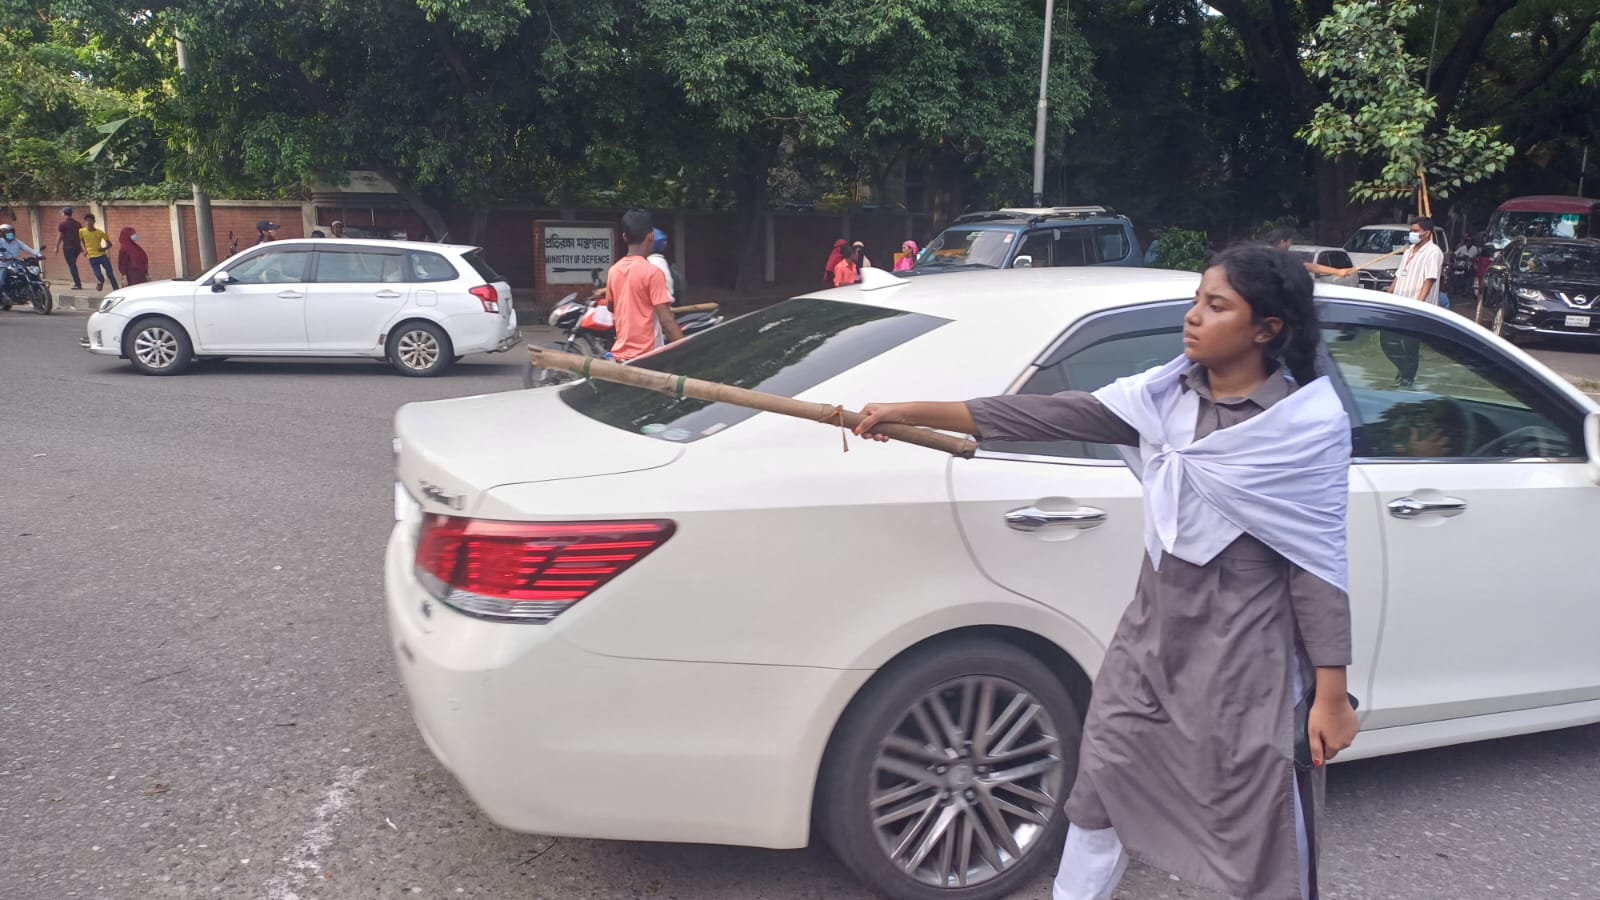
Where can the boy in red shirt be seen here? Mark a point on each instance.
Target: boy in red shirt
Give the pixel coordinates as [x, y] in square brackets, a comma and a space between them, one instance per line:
[638, 294]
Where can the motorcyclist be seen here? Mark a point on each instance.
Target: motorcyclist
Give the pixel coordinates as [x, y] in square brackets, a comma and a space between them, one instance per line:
[12, 250]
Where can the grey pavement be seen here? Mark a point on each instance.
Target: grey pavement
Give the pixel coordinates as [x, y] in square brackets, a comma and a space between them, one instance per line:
[197, 696]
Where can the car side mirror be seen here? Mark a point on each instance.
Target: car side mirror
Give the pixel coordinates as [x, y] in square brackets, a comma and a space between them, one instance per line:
[220, 281]
[1591, 444]
[1022, 262]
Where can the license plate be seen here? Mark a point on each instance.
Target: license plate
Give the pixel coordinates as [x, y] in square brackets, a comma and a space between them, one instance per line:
[1577, 321]
[404, 507]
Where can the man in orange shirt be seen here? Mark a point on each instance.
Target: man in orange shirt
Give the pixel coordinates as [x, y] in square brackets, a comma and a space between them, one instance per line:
[638, 294]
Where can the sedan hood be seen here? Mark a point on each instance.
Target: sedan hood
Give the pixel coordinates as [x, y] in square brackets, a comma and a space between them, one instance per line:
[453, 451]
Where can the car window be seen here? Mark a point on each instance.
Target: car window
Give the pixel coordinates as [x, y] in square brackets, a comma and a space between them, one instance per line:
[1562, 261]
[432, 267]
[272, 267]
[1074, 246]
[1037, 246]
[1377, 240]
[474, 258]
[784, 349]
[1422, 396]
[346, 267]
[1337, 259]
[1095, 362]
[1111, 243]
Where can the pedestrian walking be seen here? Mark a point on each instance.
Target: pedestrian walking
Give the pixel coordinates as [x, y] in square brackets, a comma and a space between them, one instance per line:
[1240, 624]
[833, 262]
[848, 269]
[266, 230]
[95, 246]
[69, 244]
[638, 293]
[132, 261]
[908, 257]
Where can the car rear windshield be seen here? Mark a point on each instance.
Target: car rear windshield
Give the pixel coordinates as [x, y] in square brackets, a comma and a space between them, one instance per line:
[784, 349]
[475, 259]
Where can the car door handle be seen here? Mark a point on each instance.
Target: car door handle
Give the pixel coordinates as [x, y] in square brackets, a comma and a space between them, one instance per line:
[388, 295]
[1417, 507]
[1032, 518]
[290, 295]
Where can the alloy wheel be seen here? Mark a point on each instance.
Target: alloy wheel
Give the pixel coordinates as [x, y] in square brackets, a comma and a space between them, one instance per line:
[417, 349]
[1499, 324]
[966, 782]
[156, 347]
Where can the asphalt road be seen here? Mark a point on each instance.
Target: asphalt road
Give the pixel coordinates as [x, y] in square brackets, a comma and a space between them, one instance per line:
[197, 697]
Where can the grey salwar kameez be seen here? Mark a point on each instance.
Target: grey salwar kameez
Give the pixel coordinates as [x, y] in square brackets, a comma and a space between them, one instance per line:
[1188, 745]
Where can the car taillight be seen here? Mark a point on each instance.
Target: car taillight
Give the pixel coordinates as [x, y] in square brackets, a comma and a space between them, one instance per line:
[489, 297]
[527, 571]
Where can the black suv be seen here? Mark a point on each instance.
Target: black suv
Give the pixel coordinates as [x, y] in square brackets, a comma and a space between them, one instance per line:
[1022, 238]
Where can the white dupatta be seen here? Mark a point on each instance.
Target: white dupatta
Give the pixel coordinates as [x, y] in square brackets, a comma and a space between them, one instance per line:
[1283, 476]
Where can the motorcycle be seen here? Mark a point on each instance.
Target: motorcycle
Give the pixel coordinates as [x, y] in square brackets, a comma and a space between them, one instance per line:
[26, 284]
[585, 337]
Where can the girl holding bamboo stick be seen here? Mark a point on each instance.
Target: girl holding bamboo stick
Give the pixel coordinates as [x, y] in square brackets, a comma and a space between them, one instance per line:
[1240, 622]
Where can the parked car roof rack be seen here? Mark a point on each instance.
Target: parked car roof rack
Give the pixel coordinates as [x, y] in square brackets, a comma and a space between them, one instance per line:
[1037, 213]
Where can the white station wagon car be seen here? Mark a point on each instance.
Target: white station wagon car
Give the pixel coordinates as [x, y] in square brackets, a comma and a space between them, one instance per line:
[619, 614]
[421, 306]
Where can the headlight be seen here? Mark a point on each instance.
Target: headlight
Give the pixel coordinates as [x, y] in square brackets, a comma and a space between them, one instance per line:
[111, 301]
[1530, 294]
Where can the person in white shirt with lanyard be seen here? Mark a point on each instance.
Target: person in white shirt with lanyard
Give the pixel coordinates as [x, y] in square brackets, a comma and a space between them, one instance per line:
[1418, 275]
[1416, 279]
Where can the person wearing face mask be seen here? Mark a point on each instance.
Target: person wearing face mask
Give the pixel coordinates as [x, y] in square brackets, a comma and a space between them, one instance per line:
[1419, 271]
[12, 249]
[132, 261]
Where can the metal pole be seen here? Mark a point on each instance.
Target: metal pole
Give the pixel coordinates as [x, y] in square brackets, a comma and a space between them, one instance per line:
[1044, 106]
[206, 238]
[1583, 169]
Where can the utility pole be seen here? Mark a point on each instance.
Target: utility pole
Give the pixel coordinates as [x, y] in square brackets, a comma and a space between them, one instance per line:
[1044, 106]
[202, 201]
[1583, 169]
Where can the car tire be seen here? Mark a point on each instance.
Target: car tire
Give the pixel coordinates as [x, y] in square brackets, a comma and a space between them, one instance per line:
[890, 793]
[420, 349]
[1497, 324]
[158, 346]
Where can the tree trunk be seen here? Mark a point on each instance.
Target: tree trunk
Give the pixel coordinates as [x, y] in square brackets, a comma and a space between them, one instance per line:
[750, 192]
[945, 176]
[1334, 211]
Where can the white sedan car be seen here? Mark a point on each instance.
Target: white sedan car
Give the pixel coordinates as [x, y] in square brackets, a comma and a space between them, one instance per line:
[421, 306]
[619, 614]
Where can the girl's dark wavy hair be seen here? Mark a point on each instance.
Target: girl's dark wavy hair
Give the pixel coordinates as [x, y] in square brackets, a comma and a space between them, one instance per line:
[1277, 286]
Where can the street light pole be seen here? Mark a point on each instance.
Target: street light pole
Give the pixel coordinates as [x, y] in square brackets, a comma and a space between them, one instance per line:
[1044, 106]
[206, 238]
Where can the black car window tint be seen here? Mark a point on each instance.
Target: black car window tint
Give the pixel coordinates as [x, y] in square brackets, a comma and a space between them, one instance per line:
[1037, 247]
[1098, 353]
[1419, 395]
[784, 349]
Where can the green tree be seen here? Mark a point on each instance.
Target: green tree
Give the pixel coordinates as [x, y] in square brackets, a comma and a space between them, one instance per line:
[1378, 109]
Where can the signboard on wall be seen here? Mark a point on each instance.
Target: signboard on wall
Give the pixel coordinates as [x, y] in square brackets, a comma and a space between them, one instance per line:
[571, 252]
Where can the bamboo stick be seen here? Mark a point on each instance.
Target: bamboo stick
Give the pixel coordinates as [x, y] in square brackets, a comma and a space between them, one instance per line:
[714, 392]
[695, 307]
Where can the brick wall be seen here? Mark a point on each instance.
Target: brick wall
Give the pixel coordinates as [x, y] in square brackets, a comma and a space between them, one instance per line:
[154, 227]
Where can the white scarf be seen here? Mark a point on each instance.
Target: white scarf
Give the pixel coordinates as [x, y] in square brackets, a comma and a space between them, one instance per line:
[1283, 476]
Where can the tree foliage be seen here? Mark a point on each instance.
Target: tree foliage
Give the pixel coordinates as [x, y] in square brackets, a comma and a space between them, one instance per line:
[1378, 108]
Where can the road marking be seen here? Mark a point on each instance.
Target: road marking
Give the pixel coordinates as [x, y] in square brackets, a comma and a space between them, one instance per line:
[306, 858]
